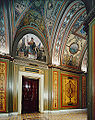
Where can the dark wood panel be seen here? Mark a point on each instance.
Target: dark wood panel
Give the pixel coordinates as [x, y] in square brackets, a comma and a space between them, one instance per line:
[30, 95]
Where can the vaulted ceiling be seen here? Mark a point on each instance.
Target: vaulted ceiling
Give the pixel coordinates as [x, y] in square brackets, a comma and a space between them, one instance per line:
[60, 23]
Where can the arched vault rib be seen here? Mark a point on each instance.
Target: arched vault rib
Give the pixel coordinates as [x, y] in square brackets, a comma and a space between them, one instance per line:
[59, 46]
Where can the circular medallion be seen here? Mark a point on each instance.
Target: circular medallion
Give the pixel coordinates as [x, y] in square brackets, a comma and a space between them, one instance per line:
[74, 47]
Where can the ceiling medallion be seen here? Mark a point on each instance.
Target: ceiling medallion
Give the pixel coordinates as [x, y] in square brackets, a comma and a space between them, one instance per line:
[74, 47]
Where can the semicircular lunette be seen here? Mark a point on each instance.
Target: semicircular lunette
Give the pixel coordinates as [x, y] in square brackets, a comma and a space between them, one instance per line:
[31, 47]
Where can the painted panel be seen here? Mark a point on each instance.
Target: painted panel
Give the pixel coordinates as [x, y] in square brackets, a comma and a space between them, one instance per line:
[3, 78]
[69, 91]
[83, 91]
[55, 89]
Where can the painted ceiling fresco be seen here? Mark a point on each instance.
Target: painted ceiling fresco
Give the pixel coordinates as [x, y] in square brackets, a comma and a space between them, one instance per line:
[20, 6]
[3, 31]
[31, 47]
[60, 23]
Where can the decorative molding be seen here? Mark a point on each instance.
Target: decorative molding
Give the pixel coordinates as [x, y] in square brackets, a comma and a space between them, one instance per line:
[5, 56]
[32, 63]
[66, 111]
[64, 68]
[41, 89]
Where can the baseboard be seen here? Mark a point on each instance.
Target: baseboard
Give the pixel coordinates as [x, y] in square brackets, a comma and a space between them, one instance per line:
[13, 113]
[3, 114]
[66, 111]
[8, 114]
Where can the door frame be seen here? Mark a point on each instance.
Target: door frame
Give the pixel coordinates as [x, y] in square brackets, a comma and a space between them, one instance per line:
[40, 77]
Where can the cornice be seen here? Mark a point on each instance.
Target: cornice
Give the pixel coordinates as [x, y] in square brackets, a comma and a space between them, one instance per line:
[66, 69]
[5, 56]
[32, 63]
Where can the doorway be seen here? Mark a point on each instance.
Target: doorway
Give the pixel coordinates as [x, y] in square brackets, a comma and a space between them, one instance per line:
[30, 95]
[36, 76]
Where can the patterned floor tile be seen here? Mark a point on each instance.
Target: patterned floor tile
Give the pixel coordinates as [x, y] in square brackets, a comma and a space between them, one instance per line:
[48, 116]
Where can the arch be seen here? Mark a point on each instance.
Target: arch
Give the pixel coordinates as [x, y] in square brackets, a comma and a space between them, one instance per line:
[64, 29]
[26, 30]
[86, 3]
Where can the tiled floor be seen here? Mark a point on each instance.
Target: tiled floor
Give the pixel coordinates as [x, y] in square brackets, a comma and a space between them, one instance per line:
[48, 116]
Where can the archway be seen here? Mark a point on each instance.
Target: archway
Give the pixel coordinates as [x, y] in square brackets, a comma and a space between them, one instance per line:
[32, 31]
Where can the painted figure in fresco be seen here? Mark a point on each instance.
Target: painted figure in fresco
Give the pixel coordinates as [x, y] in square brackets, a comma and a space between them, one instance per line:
[32, 48]
[23, 48]
[39, 52]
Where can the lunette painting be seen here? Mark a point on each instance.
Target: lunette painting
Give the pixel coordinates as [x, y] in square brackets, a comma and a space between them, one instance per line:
[31, 47]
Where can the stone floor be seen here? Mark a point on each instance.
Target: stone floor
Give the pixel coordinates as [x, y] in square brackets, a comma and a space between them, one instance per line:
[48, 116]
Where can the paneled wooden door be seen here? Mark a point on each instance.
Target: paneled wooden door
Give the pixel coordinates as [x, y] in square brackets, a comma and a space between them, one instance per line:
[30, 95]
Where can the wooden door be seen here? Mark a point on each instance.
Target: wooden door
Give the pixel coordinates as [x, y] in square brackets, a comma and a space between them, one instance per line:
[30, 95]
